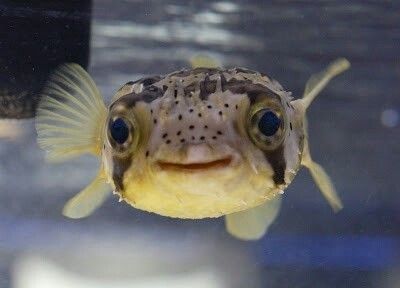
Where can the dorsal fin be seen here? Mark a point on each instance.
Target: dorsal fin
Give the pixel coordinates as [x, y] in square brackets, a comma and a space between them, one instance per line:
[71, 114]
[204, 61]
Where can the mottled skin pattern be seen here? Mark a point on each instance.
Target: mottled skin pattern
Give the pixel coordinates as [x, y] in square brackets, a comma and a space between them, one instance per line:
[207, 109]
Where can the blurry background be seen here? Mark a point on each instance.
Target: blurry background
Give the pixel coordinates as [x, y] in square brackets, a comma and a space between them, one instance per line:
[354, 131]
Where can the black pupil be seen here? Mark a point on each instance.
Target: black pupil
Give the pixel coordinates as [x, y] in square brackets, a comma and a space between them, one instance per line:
[119, 131]
[269, 123]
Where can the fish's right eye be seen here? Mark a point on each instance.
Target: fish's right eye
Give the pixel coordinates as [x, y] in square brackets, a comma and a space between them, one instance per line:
[121, 133]
[119, 130]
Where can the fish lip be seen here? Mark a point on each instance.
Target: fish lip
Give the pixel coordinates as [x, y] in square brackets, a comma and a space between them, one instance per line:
[196, 166]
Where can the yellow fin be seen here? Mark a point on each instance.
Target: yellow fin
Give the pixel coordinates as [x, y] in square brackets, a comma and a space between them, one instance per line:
[204, 61]
[317, 82]
[253, 223]
[314, 85]
[71, 114]
[89, 199]
[319, 175]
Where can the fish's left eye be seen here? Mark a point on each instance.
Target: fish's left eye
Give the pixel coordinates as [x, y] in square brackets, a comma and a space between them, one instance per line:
[269, 123]
[266, 127]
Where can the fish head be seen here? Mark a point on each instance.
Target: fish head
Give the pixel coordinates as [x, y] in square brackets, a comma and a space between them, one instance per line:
[201, 143]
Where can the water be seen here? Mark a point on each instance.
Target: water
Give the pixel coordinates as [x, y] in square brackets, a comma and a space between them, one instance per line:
[354, 134]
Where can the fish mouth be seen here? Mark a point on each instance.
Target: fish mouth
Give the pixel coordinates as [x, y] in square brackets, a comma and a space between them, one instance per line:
[219, 163]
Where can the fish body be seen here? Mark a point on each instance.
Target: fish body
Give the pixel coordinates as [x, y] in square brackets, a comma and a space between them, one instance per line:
[196, 143]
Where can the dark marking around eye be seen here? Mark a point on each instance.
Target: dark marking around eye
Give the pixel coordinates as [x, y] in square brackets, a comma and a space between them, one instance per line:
[148, 95]
[120, 165]
[278, 163]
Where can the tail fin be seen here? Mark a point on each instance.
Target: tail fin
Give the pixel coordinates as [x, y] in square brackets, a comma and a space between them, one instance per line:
[71, 114]
[316, 83]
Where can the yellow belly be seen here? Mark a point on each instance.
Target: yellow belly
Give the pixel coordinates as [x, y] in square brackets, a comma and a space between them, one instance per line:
[198, 195]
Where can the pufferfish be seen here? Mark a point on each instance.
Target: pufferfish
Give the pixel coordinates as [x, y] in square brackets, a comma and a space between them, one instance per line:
[197, 143]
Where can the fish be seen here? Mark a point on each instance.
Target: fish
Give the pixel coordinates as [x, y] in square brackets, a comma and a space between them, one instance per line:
[201, 142]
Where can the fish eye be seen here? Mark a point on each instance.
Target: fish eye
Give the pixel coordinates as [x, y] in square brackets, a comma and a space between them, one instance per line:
[119, 130]
[266, 127]
[122, 133]
[269, 123]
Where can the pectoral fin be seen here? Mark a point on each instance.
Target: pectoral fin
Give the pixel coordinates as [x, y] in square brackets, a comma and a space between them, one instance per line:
[252, 224]
[313, 87]
[71, 114]
[89, 199]
[318, 81]
[321, 178]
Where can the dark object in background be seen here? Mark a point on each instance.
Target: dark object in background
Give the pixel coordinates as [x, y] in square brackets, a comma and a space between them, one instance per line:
[35, 37]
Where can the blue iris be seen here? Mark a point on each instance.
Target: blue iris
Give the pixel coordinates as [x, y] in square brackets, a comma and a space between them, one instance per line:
[269, 123]
[119, 130]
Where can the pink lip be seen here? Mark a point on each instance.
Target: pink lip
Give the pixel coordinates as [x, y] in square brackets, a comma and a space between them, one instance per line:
[196, 166]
